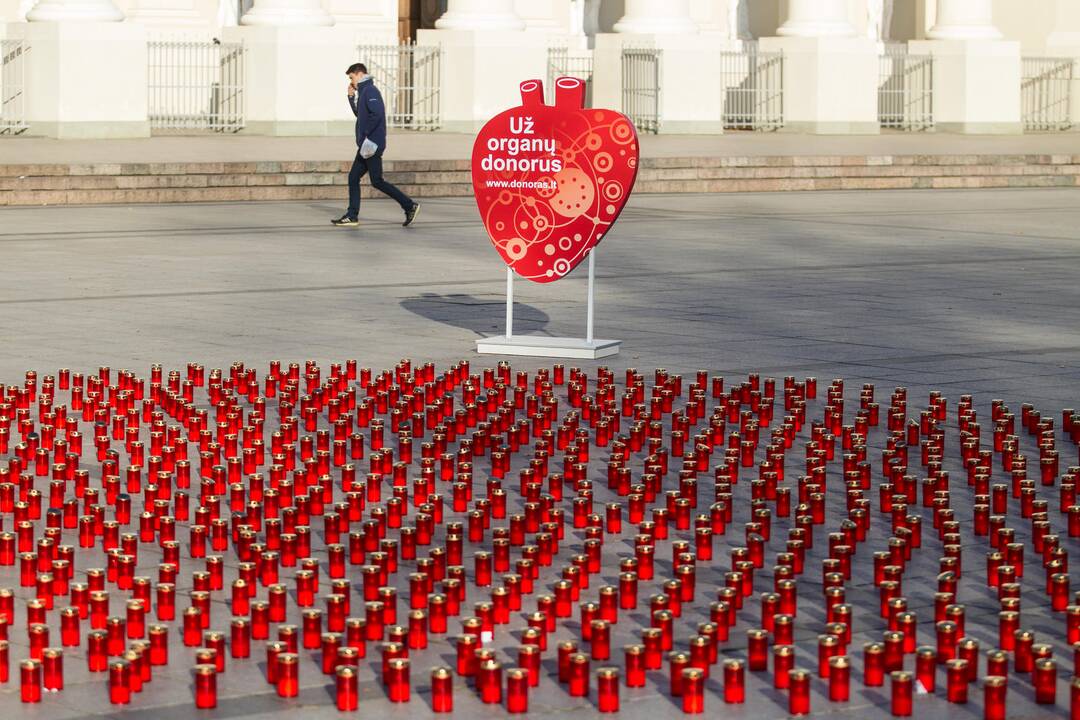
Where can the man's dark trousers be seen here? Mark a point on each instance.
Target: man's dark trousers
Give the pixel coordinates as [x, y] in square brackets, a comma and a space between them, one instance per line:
[372, 166]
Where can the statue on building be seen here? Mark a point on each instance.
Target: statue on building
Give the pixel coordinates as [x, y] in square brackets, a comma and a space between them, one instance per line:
[584, 17]
[739, 20]
[878, 19]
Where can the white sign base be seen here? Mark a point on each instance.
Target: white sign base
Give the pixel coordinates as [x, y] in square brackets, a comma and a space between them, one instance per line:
[540, 346]
[587, 348]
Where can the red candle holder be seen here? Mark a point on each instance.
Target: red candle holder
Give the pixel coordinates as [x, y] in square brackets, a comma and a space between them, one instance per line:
[873, 665]
[517, 691]
[994, 691]
[839, 679]
[1044, 678]
[442, 690]
[397, 680]
[693, 691]
[119, 682]
[734, 681]
[287, 674]
[901, 693]
[205, 686]
[798, 692]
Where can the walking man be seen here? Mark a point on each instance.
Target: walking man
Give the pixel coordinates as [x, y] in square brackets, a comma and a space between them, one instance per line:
[367, 105]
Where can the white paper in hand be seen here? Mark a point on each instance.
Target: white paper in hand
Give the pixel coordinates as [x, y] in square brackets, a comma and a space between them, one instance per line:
[368, 149]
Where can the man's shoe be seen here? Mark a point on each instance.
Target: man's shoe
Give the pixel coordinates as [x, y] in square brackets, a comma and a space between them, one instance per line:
[410, 214]
[345, 221]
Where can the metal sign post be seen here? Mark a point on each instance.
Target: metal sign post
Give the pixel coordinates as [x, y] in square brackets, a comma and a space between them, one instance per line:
[543, 346]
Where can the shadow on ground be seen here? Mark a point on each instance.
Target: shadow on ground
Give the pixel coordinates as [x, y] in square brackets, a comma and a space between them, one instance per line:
[482, 316]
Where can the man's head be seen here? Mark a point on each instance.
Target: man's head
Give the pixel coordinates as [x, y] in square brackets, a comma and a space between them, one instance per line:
[356, 72]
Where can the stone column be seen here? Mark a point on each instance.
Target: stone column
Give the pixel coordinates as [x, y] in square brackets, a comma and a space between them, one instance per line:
[690, 98]
[75, 10]
[1066, 34]
[480, 15]
[545, 15]
[817, 18]
[88, 78]
[964, 20]
[166, 13]
[976, 74]
[830, 73]
[290, 13]
[373, 21]
[657, 17]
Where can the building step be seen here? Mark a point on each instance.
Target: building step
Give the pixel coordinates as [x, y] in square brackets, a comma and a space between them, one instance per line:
[301, 180]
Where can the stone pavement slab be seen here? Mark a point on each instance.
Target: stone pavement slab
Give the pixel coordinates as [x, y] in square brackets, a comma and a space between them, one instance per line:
[964, 292]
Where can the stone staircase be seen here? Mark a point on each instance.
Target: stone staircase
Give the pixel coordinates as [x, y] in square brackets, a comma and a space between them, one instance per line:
[56, 184]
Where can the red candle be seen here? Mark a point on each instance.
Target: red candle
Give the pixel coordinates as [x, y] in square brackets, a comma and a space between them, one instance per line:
[734, 681]
[757, 649]
[205, 686]
[693, 687]
[517, 691]
[1045, 681]
[957, 680]
[994, 690]
[926, 667]
[52, 662]
[158, 652]
[873, 665]
[839, 679]
[607, 689]
[902, 687]
[489, 678]
[442, 690]
[398, 680]
[119, 682]
[783, 661]
[798, 692]
[828, 647]
[635, 665]
[578, 674]
[347, 693]
[287, 674]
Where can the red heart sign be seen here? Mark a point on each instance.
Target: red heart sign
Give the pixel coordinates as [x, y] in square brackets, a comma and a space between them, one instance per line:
[551, 181]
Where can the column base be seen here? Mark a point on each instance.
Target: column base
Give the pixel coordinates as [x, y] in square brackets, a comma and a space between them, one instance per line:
[980, 128]
[976, 85]
[295, 80]
[831, 128]
[830, 84]
[89, 130]
[109, 97]
[300, 128]
[685, 106]
[482, 71]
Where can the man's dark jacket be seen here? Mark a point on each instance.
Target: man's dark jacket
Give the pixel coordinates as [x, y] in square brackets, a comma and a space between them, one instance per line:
[367, 106]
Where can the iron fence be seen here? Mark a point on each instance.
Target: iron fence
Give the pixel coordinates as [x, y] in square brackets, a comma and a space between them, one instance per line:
[196, 86]
[905, 89]
[753, 87]
[14, 55]
[409, 77]
[563, 62]
[641, 87]
[1046, 93]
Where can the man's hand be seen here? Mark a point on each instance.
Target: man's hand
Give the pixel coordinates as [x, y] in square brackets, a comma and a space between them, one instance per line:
[352, 90]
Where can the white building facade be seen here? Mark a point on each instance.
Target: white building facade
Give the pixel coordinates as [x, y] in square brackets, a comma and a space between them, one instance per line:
[127, 68]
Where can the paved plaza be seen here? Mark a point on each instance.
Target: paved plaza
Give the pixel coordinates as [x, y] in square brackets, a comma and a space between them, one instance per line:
[960, 291]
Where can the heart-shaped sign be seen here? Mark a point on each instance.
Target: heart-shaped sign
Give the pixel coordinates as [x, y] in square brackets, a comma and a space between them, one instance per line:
[551, 181]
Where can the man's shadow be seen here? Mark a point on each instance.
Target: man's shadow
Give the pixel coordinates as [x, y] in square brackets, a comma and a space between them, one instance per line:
[482, 316]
